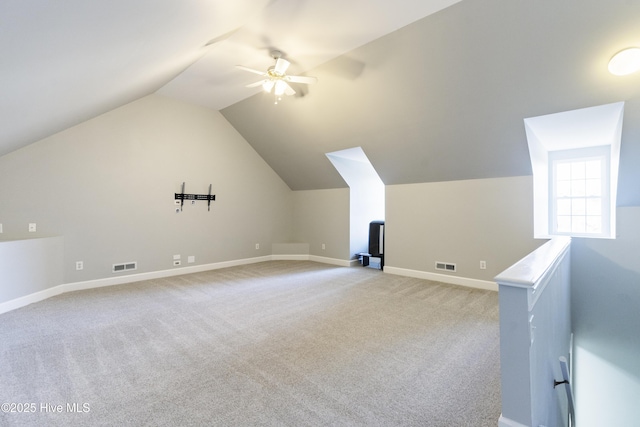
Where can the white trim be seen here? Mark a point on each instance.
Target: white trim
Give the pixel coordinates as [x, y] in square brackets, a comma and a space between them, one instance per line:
[131, 278]
[572, 130]
[333, 261]
[120, 280]
[292, 257]
[20, 302]
[600, 154]
[315, 258]
[445, 278]
[508, 422]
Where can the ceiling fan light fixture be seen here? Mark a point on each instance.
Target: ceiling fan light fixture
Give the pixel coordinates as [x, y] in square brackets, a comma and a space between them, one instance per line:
[625, 62]
[280, 87]
[268, 85]
[275, 78]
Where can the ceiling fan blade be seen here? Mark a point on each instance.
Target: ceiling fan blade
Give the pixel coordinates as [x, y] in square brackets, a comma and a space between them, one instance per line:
[281, 65]
[302, 79]
[251, 70]
[288, 90]
[256, 84]
[221, 37]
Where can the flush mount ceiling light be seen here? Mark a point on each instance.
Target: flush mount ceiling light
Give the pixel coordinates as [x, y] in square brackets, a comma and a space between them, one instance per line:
[625, 62]
[276, 79]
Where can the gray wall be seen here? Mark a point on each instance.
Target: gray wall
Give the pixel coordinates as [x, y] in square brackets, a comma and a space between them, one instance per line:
[108, 184]
[535, 330]
[444, 98]
[28, 266]
[461, 222]
[605, 306]
[322, 216]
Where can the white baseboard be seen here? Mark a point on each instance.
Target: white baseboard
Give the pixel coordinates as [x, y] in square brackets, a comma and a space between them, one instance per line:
[120, 280]
[30, 299]
[292, 257]
[445, 278]
[315, 258]
[508, 422]
[131, 278]
[332, 261]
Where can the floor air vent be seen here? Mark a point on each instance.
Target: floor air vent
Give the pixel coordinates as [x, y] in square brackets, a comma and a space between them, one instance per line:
[446, 266]
[126, 266]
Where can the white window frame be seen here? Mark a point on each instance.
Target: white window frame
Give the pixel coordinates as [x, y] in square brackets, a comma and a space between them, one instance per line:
[573, 133]
[601, 154]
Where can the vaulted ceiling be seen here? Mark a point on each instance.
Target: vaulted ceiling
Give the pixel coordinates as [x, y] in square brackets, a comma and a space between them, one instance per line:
[444, 98]
[63, 62]
[432, 90]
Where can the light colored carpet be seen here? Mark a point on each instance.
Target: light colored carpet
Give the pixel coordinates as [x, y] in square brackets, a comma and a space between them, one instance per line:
[283, 343]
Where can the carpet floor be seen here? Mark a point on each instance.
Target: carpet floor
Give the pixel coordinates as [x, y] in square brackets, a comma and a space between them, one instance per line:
[280, 343]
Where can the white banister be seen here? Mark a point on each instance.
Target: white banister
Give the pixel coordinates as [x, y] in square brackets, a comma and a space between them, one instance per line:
[535, 331]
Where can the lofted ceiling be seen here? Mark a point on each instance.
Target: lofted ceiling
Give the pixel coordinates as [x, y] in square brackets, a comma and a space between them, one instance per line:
[432, 90]
[63, 62]
[444, 98]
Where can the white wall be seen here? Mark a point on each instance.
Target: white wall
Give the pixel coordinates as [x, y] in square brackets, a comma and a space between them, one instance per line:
[461, 222]
[108, 184]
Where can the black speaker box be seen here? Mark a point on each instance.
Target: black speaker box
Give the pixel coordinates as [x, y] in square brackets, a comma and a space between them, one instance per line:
[376, 238]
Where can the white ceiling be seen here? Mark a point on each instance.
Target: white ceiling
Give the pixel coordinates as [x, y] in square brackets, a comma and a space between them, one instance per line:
[63, 62]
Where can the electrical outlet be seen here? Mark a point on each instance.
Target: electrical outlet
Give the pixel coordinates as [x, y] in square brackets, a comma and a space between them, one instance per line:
[483, 265]
[257, 246]
[323, 247]
[79, 265]
[32, 227]
[175, 257]
[1, 228]
[191, 259]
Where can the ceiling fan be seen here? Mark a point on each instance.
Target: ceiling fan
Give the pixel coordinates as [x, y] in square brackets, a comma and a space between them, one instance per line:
[276, 79]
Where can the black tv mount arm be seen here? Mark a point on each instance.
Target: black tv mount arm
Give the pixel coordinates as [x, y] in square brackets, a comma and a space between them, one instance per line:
[182, 197]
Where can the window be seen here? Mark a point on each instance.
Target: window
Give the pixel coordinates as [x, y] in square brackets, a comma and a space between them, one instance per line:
[574, 159]
[579, 194]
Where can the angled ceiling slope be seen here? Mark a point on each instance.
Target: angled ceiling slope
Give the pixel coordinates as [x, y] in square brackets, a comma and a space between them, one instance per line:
[444, 98]
[65, 62]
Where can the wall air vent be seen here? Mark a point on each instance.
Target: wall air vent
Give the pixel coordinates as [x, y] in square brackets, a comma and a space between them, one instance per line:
[125, 266]
[446, 266]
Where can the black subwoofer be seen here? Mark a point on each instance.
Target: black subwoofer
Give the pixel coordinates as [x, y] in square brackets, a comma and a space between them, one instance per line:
[376, 240]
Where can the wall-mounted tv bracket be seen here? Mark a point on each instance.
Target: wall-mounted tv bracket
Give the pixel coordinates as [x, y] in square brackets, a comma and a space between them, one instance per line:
[182, 197]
